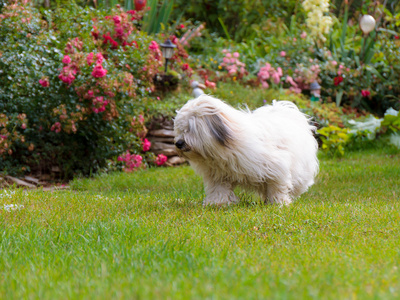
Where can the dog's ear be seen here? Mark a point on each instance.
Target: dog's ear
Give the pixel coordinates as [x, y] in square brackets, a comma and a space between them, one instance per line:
[219, 130]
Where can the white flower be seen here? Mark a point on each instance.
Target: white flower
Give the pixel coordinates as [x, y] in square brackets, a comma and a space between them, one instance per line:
[10, 207]
[394, 139]
[318, 23]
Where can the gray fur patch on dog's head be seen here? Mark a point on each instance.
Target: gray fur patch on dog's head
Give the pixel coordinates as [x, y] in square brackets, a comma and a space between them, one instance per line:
[219, 130]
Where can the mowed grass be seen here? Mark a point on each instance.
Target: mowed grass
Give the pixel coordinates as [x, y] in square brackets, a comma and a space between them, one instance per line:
[146, 236]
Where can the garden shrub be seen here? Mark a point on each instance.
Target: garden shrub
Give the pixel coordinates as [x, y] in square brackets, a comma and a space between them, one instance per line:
[74, 96]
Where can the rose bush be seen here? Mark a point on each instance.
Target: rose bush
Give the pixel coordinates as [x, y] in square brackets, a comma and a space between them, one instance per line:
[73, 102]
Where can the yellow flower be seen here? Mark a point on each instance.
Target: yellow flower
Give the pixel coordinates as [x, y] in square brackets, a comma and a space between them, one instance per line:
[234, 78]
[219, 67]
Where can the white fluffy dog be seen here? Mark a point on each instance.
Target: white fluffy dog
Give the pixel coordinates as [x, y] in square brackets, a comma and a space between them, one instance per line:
[271, 150]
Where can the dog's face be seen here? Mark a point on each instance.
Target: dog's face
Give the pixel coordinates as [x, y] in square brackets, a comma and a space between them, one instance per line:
[201, 129]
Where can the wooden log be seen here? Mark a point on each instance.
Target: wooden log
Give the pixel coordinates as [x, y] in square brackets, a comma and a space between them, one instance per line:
[20, 182]
[162, 146]
[166, 139]
[166, 152]
[162, 133]
[175, 160]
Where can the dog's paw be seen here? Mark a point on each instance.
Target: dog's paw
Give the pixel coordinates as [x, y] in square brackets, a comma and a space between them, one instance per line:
[281, 200]
[221, 200]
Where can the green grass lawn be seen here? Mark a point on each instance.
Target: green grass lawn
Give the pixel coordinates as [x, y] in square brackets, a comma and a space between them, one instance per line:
[146, 236]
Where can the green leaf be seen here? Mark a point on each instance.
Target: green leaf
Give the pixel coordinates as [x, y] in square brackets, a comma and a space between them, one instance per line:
[339, 96]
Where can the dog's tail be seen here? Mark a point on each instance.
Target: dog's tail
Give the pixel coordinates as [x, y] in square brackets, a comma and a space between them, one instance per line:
[291, 106]
[284, 104]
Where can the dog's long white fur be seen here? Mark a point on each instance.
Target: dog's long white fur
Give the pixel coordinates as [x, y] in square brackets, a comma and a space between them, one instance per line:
[271, 150]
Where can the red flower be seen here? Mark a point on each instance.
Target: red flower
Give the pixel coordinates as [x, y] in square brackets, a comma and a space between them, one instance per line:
[182, 26]
[365, 93]
[337, 80]
[140, 4]
[108, 38]
[185, 67]
[396, 37]
[95, 32]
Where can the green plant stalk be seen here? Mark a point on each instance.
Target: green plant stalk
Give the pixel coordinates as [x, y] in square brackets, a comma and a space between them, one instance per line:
[224, 28]
[344, 27]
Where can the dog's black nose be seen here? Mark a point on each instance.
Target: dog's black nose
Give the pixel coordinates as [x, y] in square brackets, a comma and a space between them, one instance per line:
[179, 144]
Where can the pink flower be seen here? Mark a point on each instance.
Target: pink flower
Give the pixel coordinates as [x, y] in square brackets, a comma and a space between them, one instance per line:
[276, 78]
[67, 75]
[290, 80]
[282, 53]
[134, 162]
[90, 58]
[89, 94]
[334, 62]
[264, 84]
[44, 82]
[232, 70]
[365, 93]
[182, 26]
[117, 20]
[210, 84]
[66, 60]
[279, 70]
[146, 145]
[99, 104]
[153, 46]
[236, 54]
[56, 127]
[23, 126]
[131, 161]
[99, 71]
[161, 159]
[99, 58]
[303, 35]
[141, 119]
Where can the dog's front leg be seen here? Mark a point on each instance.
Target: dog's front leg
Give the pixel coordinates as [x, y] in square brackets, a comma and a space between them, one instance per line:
[278, 194]
[218, 193]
